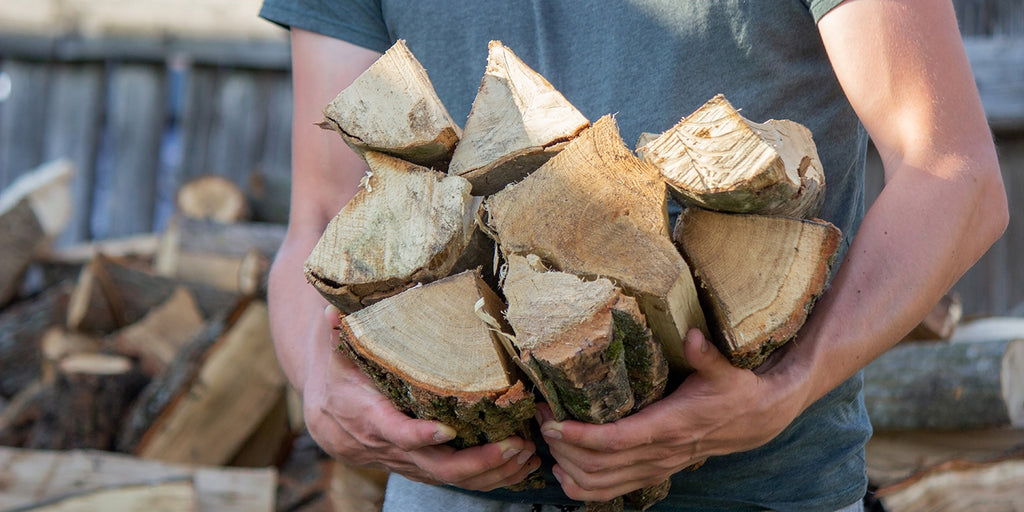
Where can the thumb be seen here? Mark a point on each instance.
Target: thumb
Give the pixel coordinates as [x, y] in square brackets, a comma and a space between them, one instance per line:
[333, 316]
[412, 434]
[704, 357]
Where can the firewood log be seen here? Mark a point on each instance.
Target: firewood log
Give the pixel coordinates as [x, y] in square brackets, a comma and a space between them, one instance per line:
[33, 211]
[947, 386]
[392, 108]
[91, 392]
[234, 257]
[22, 326]
[111, 294]
[219, 404]
[59, 342]
[587, 348]
[429, 352]
[894, 456]
[941, 320]
[20, 415]
[406, 225]
[717, 159]
[518, 121]
[157, 337]
[597, 210]
[960, 486]
[213, 198]
[758, 276]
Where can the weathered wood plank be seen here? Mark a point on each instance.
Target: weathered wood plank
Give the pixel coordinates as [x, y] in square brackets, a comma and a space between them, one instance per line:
[73, 128]
[22, 119]
[998, 65]
[126, 183]
[239, 125]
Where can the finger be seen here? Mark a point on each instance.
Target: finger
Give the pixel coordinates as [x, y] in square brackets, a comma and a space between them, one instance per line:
[333, 316]
[479, 466]
[410, 434]
[593, 493]
[705, 358]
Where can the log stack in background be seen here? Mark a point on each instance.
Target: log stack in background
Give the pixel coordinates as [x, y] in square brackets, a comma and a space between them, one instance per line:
[594, 295]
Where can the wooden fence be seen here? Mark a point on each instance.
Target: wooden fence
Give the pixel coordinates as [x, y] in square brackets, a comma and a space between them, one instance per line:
[139, 117]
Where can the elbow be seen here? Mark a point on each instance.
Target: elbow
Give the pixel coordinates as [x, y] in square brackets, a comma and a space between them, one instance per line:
[993, 213]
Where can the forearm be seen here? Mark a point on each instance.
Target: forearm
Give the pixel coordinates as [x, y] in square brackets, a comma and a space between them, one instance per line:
[921, 234]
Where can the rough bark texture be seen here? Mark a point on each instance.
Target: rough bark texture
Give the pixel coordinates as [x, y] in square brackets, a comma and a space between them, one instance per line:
[22, 326]
[490, 408]
[597, 210]
[947, 386]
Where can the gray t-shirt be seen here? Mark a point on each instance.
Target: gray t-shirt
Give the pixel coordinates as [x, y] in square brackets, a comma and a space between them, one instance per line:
[652, 62]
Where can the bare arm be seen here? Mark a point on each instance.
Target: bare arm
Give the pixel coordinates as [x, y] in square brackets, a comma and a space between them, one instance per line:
[344, 412]
[903, 67]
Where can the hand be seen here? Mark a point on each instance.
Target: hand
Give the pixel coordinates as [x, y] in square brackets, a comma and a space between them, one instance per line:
[351, 420]
[718, 409]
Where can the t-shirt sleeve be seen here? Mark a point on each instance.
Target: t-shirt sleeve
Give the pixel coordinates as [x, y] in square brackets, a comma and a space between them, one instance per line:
[359, 22]
[819, 8]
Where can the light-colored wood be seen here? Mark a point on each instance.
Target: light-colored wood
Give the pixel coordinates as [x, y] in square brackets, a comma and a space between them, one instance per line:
[895, 456]
[392, 108]
[270, 441]
[138, 247]
[178, 495]
[435, 358]
[597, 210]
[717, 159]
[941, 321]
[33, 211]
[948, 386]
[406, 225]
[758, 276]
[31, 476]
[960, 486]
[213, 198]
[238, 384]
[518, 121]
[157, 337]
[355, 489]
[58, 342]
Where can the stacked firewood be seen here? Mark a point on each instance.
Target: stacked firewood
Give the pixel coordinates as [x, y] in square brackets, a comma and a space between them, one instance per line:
[529, 256]
[152, 353]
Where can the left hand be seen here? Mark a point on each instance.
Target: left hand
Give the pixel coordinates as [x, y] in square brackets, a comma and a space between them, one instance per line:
[718, 409]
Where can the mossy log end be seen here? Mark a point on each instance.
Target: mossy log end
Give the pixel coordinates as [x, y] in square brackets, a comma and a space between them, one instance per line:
[717, 159]
[434, 358]
[518, 122]
[595, 210]
[406, 225]
[392, 108]
[759, 276]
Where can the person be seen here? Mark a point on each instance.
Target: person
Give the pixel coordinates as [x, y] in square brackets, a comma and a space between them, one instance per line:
[788, 436]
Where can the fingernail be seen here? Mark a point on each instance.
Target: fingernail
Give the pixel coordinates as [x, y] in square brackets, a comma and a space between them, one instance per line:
[508, 454]
[444, 433]
[523, 457]
[551, 429]
[704, 346]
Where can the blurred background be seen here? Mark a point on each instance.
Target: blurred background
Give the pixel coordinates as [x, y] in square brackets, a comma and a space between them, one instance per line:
[135, 100]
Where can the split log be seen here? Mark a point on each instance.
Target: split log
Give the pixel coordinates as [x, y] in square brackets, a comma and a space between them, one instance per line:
[518, 122]
[585, 343]
[269, 443]
[58, 343]
[758, 276]
[587, 348]
[597, 210]
[355, 489]
[717, 159]
[91, 392]
[111, 294]
[220, 404]
[33, 211]
[80, 472]
[896, 456]
[941, 320]
[234, 257]
[22, 413]
[946, 386]
[987, 329]
[406, 225]
[22, 326]
[960, 486]
[212, 197]
[176, 495]
[140, 248]
[157, 337]
[429, 352]
[392, 108]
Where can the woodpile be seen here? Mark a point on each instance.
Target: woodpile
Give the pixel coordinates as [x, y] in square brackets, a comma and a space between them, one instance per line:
[587, 293]
[141, 371]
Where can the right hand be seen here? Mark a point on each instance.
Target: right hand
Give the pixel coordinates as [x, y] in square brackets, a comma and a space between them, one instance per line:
[352, 421]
